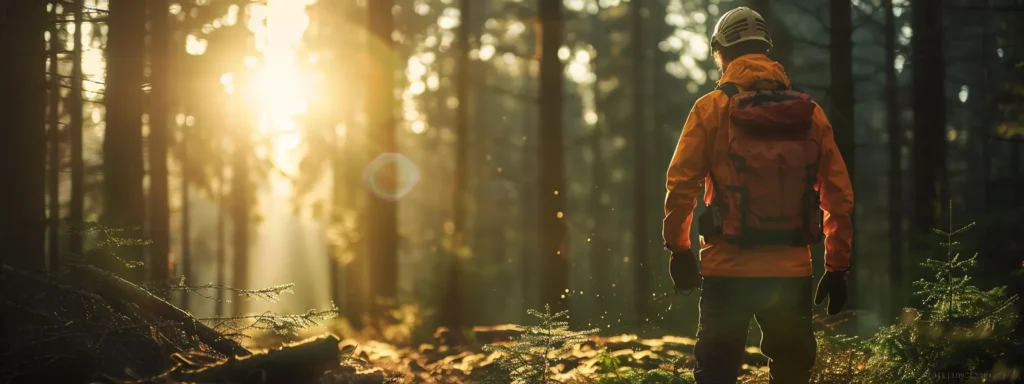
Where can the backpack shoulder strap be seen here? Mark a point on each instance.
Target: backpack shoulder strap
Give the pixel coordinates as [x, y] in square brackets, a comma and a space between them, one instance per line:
[730, 89]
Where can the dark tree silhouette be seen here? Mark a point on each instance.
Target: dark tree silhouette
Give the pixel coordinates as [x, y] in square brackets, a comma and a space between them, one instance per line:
[640, 137]
[841, 73]
[241, 204]
[123, 203]
[598, 238]
[841, 94]
[186, 207]
[895, 133]
[53, 120]
[220, 252]
[554, 252]
[452, 315]
[929, 105]
[76, 206]
[159, 211]
[383, 212]
[23, 135]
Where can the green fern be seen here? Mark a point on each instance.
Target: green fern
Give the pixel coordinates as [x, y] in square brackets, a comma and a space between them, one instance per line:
[529, 357]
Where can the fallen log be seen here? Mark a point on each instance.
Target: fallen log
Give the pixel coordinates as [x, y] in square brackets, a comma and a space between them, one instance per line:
[115, 290]
[302, 362]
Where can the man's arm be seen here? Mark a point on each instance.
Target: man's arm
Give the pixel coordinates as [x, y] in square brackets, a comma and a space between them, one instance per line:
[836, 194]
[683, 181]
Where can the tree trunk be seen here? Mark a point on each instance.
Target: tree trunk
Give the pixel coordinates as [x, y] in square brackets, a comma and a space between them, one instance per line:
[554, 243]
[642, 235]
[53, 171]
[452, 314]
[598, 243]
[343, 198]
[383, 210]
[123, 203]
[338, 200]
[23, 136]
[929, 105]
[529, 263]
[841, 92]
[354, 273]
[220, 252]
[895, 130]
[159, 210]
[241, 203]
[186, 207]
[76, 206]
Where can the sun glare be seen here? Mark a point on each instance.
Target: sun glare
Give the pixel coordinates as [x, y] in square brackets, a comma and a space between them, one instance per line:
[278, 90]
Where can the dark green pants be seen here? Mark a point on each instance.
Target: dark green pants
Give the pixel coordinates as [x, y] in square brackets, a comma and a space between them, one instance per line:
[782, 308]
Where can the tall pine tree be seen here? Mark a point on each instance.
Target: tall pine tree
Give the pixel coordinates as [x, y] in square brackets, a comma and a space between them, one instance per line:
[23, 135]
[554, 251]
[76, 206]
[640, 164]
[929, 105]
[452, 317]
[383, 211]
[53, 120]
[159, 210]
[895, 133]
[841, 93]
[123, 203]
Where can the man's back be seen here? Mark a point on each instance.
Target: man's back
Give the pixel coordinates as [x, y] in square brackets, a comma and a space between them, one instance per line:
[703, 149]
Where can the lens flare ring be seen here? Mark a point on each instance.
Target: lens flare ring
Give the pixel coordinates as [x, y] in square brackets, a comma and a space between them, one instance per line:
[404, 171]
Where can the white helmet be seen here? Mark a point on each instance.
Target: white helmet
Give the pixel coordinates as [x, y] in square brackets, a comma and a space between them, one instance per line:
[741, 24]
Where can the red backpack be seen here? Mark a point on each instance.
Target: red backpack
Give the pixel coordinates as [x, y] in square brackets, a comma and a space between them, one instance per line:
[768, 196]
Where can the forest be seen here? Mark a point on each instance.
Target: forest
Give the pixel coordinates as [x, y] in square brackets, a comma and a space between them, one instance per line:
[473, 191]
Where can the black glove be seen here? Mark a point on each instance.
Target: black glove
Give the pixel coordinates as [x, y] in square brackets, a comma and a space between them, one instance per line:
[684, 271]
[833, 285]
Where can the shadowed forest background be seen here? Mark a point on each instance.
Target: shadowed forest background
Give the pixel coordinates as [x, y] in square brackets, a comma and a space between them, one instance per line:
[415, 164]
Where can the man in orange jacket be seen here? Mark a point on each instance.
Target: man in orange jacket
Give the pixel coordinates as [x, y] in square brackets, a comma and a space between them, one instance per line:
[767, 161]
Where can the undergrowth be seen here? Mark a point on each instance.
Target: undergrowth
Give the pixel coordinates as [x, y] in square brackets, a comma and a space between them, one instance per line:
[529, 357]
[610, 371]
[963, 333]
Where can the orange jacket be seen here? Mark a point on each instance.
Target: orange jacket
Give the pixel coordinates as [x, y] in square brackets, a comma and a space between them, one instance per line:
[690, 167]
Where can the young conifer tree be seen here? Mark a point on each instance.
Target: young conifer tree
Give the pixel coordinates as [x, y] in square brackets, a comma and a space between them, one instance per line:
[962, 330]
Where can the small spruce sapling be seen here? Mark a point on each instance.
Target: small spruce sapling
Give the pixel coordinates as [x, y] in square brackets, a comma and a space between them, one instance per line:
[962, 331]
[529, 357]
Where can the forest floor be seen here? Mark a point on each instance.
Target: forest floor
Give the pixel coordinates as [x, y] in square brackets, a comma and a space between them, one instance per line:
[87, 325]
[606, 359]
